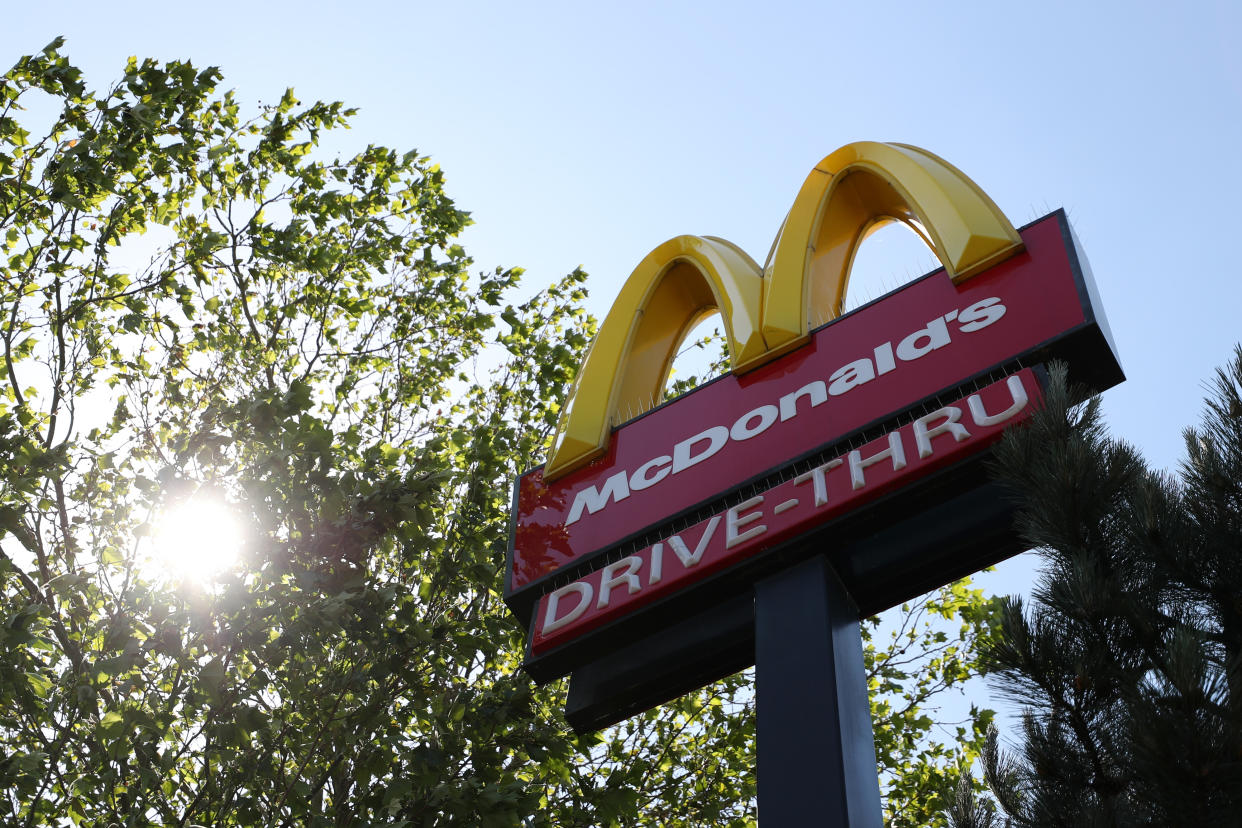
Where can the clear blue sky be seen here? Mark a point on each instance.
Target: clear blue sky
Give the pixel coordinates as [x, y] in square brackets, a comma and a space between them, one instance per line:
[586, 134]
[581, 133]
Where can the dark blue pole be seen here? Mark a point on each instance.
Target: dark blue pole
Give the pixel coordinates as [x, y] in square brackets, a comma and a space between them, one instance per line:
[816, 750]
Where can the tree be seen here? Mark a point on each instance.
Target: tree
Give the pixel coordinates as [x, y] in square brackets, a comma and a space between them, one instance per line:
[1129, 659]
[931, 649]
[197, 307]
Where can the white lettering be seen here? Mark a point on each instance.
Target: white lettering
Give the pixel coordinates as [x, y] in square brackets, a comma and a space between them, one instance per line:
[734, 520]
[923, 434]
[895, 451]
[851, 376]
[816, 390]
[742, 430]
[980, 314]
[683, 458]
[550, 622]
[709, 442]
[981, 416]
[614, 576]
[593, 500]
[884, 361]
[683, 553]
[657, 564]
[818, 481]
[640, 479]
[936, 333]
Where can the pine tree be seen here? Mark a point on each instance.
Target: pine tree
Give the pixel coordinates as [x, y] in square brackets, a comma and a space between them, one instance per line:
[1128, 660]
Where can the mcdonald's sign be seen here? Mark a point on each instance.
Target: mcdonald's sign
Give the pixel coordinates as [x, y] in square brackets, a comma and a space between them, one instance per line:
[642, 502]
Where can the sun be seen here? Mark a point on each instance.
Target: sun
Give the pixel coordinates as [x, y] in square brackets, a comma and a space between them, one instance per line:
[197, 539]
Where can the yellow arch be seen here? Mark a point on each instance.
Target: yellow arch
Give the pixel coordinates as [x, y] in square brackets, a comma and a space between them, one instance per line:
[850, 194]
[847, 196]
[624, 372]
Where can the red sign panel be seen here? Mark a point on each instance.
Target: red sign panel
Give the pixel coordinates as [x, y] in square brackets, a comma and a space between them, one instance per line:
[865, 367]
[938, 439]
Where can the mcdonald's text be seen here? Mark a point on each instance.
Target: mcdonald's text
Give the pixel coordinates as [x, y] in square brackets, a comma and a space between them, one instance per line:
[693, 450]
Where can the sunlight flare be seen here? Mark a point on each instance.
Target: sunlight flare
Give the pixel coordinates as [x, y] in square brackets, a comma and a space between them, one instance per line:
[197, 538]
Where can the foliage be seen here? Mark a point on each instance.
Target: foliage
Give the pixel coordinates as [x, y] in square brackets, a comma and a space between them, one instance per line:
[931, 648]
[197, 306]
[1129, 658]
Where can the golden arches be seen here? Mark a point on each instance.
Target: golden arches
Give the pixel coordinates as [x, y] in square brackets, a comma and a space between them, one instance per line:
[670, 291]
[848, 195]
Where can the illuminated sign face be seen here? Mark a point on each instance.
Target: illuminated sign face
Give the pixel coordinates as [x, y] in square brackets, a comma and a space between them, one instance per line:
[634, 511]
[824, 491]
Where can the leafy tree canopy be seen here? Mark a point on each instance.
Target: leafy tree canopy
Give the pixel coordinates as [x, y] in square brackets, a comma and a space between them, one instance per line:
[199, 307]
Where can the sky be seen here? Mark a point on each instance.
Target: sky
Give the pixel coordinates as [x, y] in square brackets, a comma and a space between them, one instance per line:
[586, 134]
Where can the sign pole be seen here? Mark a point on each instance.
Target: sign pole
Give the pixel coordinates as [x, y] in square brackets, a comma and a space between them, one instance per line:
[816, 751]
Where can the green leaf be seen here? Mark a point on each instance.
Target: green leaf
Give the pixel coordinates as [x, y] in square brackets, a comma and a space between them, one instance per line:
[39, 684]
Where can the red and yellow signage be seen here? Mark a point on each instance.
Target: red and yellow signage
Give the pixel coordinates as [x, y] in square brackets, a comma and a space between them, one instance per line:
[625, 514]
